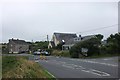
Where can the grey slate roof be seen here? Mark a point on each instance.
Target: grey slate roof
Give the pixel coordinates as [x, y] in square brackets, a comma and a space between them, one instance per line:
[87, 37]
[16, 41]
[64, 36]
[71, 41]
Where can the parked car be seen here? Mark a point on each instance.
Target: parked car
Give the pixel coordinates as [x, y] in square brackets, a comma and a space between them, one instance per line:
[36, 53]
[45, 53]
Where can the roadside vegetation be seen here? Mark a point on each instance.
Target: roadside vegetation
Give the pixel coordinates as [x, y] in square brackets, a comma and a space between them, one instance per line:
[20, 67]
[60, 53]
[39, 45]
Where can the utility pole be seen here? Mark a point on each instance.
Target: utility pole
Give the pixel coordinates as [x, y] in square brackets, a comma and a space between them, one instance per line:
[47, 38]
[32, 40]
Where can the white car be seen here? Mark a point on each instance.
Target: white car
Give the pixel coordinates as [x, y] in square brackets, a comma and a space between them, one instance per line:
[36, 53]
[45, 53]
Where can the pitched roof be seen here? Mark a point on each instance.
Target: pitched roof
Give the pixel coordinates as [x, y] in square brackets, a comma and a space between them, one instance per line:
[69, 42]
[17, 41]
[64, 36]
[72, 41]
[87, 37]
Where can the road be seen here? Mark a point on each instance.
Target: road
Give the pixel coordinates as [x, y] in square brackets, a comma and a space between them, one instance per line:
[80, 68]
[23, 54]
[77, 68]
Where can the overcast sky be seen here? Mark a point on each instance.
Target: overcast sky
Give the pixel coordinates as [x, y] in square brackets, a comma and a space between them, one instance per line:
[34, 19]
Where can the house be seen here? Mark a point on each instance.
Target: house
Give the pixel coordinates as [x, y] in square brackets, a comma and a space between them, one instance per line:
[51, 44]
[70, 43]
[17, 46]
[75, 40]
[60, 38]
[68, 39]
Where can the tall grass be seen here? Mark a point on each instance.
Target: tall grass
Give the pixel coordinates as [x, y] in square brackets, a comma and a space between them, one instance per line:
[20, 67]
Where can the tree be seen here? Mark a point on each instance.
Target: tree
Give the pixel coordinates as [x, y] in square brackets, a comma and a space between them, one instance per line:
[99, 36]
[39, 45]
[75, 51]
[113, 46]
[91, 44]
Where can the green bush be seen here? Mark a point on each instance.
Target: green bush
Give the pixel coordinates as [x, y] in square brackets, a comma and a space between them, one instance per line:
[91, 44]
[65, 54]
[74, 51]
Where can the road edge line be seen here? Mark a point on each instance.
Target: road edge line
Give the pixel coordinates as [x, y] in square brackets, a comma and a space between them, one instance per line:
[50, 74]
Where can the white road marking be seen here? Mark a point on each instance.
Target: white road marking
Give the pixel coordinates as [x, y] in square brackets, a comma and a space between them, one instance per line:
[46, 61]
[37, 61]
[77, 67]
[50, 74]
[68, 66]
[108, 59]
[100, 73]
[93, 71]
[85, 71]
[107, 64]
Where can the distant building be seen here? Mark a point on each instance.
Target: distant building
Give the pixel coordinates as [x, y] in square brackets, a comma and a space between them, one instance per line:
[68, 40]
[17, 46]
[60, 38]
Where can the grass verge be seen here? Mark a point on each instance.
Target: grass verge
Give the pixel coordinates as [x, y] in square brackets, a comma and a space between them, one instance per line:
[20, 67]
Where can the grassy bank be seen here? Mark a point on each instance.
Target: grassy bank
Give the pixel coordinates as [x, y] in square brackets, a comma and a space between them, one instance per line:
[20, 67]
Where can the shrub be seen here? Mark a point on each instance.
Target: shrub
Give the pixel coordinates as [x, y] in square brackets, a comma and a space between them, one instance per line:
[91, 44]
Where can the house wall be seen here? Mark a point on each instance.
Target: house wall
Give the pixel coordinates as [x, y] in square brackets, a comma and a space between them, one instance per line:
[55, 40]
[11, 46]
[16, 48]
[21, 48]
[49, 45]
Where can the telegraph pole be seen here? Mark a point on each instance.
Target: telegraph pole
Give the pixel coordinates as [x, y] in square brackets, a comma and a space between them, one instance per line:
[32, 40]
[47, 38]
